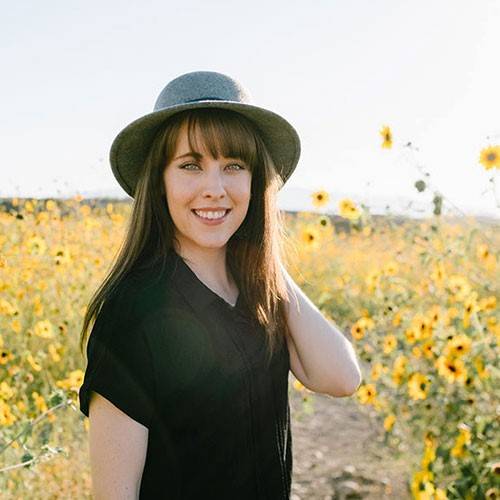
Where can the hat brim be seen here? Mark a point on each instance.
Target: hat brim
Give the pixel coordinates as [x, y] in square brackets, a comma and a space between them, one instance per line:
[131, 146]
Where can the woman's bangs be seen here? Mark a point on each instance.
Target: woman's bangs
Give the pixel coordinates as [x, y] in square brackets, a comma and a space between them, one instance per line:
[223, 134]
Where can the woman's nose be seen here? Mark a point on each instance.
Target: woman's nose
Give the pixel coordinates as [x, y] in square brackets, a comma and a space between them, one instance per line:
[214, 183]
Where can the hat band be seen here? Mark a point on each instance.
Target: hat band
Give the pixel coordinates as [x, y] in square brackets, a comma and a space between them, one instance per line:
[205, 99]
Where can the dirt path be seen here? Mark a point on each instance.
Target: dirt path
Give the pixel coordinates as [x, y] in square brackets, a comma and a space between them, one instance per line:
[338, 453]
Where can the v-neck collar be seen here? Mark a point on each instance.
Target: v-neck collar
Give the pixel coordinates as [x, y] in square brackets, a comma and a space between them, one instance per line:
[199, 295]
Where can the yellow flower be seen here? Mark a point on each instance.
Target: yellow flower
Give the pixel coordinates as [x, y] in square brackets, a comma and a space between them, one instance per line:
[418, 385]
[386, 134]
[40, 403]
[61, 255]
[32, 361]
[483, 252]
[297, 385]
[359, 328]
[422, 326]
[117, 218]
[85, 210]
[479, 366]
[6, 416]
[6, 391]
[440, 494]
[50, 205]
[53, 353]
[492, 493]
[391, 268]
[367, 393]
[412, 335]
[44, 329]
[434, 314]
[6, 308]
[462, 439]
[389, 422]
[495, 468]
[458, 345]
[15, 325]
[42, 217]
[438, 273]
[421, 485]
[21, 406]
[320, 198]
[452, 369]
[377, 370]
[427, 349]
[459, 286]
[429, 456]
[5, 356]
[36, 245]
[324, 222]
[348, 209]
[399, 368]
[310, 237]
[390, 343]
[416, 351]
[490, 157]
[488, 303]
[73, 382]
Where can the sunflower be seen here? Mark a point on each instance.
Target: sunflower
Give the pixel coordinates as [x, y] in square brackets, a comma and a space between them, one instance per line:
[490, 157]
[452, 369]
[320, 198]
[367, 393]
[418, 385]
[348, 209]
[389, 422]
[386, 134]
[310, 237]
[390, 343]
[458, 345]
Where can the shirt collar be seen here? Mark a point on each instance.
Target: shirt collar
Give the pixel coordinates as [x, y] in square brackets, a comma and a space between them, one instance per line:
[196, 293]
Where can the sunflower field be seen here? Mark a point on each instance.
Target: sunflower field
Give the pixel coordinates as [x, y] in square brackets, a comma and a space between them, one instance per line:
[418, 300]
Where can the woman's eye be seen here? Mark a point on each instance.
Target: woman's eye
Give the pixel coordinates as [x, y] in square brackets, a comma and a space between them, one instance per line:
[240, 167]
[188, 165]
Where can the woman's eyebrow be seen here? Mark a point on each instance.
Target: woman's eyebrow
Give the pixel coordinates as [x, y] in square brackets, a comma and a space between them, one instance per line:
[198, 156]
[194, 154]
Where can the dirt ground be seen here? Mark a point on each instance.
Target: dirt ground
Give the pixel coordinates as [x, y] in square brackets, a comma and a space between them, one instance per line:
[338, 453]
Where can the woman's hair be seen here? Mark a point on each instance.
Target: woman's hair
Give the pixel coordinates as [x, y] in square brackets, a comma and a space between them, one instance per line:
[254, 251]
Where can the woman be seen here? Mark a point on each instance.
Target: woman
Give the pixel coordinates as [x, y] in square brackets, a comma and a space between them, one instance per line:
[198, 323]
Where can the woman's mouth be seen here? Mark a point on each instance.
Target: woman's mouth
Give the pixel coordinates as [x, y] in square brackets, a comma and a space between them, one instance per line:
[211, 217]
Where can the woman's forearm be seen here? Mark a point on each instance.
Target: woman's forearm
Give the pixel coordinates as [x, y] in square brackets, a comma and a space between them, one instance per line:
[326, 355]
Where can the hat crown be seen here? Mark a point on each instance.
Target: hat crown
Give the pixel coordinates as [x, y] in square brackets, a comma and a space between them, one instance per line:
[200, 86]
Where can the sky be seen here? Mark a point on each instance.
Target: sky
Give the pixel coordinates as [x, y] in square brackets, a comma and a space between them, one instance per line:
[76, 73]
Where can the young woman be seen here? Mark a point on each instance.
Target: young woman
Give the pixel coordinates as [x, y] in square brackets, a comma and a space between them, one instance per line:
[198, 323]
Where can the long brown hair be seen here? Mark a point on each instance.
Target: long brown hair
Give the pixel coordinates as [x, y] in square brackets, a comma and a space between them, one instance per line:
[254, 251]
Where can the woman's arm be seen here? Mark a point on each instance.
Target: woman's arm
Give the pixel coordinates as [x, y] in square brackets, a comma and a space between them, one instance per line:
[117, 447]
[321, 358]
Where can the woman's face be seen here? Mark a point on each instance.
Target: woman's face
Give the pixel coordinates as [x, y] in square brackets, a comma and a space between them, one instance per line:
[210, 187]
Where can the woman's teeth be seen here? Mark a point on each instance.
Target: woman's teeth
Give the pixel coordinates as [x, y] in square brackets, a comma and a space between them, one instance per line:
[211, 214]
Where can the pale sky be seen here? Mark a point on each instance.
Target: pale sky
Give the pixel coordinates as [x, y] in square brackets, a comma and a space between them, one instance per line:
[76, 73]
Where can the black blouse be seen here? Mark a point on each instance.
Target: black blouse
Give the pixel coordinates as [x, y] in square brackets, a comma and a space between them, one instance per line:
[180, 360]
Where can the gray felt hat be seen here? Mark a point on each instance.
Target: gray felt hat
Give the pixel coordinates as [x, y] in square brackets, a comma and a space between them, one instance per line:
[201, 89]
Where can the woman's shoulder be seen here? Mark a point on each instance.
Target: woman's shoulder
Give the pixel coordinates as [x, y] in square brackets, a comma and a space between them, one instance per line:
[140, 291]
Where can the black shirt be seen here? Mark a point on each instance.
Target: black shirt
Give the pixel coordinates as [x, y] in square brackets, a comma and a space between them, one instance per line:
[179, 359]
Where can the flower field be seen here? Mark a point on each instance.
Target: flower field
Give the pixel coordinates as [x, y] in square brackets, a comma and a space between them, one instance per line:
[418, 299]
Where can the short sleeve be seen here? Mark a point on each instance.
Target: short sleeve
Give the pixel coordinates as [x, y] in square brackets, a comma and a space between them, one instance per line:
[119, 364]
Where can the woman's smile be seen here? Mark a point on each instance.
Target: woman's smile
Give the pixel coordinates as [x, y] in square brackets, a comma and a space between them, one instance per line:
[211, 217]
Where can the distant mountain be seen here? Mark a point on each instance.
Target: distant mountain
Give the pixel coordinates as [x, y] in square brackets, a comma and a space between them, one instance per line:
[294, 199]
[299, 199]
